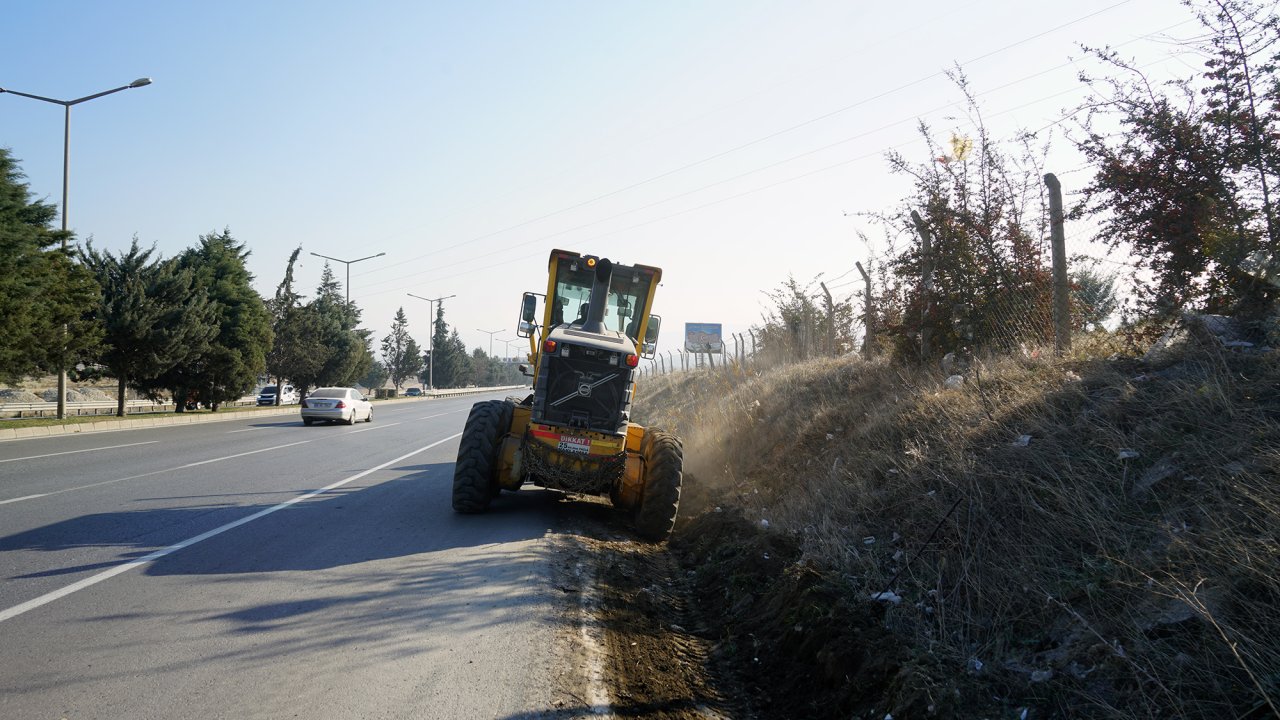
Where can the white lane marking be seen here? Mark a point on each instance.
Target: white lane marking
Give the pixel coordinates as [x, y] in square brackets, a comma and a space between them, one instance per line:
[592, 637]
[72, 452]
[20, 499]
[375, 427]
[149, 474]
[451, 412]
[233, 432]
[92, 580]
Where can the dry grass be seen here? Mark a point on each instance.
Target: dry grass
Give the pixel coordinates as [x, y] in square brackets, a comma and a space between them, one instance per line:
[1122, 562]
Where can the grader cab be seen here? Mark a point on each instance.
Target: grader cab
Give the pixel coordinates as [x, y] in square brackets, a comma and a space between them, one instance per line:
[574, 432]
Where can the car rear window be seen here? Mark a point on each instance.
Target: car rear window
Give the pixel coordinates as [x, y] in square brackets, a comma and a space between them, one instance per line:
[330, 393]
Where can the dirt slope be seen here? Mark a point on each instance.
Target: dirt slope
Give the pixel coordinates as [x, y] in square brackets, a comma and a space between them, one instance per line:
[1084, 538]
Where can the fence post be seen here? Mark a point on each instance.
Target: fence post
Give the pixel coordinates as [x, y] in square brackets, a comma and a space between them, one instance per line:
[1061, 285]
[831, 321]
[868, 317]
[926, 272]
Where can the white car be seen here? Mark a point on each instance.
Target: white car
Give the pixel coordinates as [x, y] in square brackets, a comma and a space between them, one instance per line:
[336, 404]
[288, 396]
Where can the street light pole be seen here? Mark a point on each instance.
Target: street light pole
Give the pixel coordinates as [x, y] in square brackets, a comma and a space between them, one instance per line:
[431, 339]
[506, 350]
[66, 166]
[490, 333]
[349, 263]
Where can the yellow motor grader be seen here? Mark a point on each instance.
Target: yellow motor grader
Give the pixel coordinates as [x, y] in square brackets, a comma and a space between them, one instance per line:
[574, 432]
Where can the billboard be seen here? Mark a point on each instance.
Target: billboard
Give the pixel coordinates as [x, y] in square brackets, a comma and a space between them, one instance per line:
[703, 337]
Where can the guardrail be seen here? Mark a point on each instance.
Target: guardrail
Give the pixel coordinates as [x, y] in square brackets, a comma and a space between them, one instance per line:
[468, 391]
[98, 407]
[133, 407]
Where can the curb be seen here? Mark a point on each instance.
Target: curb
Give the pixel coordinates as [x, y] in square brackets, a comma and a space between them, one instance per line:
[39, 431]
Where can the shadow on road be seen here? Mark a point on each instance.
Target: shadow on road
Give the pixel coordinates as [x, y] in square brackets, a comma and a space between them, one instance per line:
[406, 516]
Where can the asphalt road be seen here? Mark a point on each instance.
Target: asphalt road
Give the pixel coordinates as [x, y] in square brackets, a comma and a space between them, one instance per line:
[265, 569]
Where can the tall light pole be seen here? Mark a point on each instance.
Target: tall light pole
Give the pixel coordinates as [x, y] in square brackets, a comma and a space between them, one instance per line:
[431, 339]
[506, 350]
[66, 165]
[348, 263]
[490, 333]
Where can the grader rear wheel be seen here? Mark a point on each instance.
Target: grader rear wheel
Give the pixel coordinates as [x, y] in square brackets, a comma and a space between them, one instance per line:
[475, 482]
[664, 471]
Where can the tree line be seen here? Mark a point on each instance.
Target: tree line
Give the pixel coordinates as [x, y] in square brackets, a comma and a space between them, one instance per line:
[404, 360]
[189, 327]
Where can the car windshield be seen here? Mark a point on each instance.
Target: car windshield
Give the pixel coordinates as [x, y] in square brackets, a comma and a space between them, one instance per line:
[330, 393]
[269, 389]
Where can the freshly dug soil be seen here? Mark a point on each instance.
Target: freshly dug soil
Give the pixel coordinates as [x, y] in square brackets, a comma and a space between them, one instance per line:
[726, 620]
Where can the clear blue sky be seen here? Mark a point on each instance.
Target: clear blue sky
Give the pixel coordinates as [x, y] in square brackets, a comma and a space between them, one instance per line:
[465, 140]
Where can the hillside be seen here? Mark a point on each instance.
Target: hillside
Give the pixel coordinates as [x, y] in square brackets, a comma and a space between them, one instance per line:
[1053, 538]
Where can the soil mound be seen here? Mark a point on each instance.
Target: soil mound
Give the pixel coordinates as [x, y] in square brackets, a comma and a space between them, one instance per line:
[1079, 538]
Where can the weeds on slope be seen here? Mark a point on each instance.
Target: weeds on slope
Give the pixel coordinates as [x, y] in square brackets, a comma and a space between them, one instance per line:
[1112, 548]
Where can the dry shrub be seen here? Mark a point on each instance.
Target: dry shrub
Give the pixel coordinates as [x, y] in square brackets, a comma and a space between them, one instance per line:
[1111, 548]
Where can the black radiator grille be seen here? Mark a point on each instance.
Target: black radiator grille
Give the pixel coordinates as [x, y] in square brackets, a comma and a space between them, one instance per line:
[583, 393]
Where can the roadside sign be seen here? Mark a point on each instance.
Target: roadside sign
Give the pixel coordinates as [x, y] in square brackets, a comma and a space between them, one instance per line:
[703, 337]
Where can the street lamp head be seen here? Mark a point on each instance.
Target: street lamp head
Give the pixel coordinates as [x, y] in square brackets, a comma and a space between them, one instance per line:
[140, 82]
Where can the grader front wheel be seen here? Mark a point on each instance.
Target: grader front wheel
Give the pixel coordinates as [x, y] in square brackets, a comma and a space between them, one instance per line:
[474, 479]
[664, 471]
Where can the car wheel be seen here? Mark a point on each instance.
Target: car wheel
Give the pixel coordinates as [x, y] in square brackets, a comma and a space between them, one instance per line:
[351, 420]
[369, 419]
[308, 421]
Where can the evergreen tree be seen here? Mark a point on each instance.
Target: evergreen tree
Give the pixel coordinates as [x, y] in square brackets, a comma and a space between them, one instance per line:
[153, 317]
[452, 367]
[346, 353]
[1093, 294]
[376, 376]
[400, 354]
[47, 299]
[297, 350]
[229, 366]
[460, 371]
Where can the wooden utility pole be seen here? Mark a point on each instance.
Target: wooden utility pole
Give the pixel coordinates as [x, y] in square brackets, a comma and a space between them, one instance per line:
[926, 284]
[868, 318]
[831, 321]
[1061, 285]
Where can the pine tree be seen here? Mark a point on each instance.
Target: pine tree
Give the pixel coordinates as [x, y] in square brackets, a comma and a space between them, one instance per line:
[47, 298]
[345, 355]
[400, 354]
[451, 366]
[376, 376]
[297, 350]
[153, 317]
[229, 365]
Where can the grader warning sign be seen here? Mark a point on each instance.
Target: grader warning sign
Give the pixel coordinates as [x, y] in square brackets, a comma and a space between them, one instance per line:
[703, 337]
